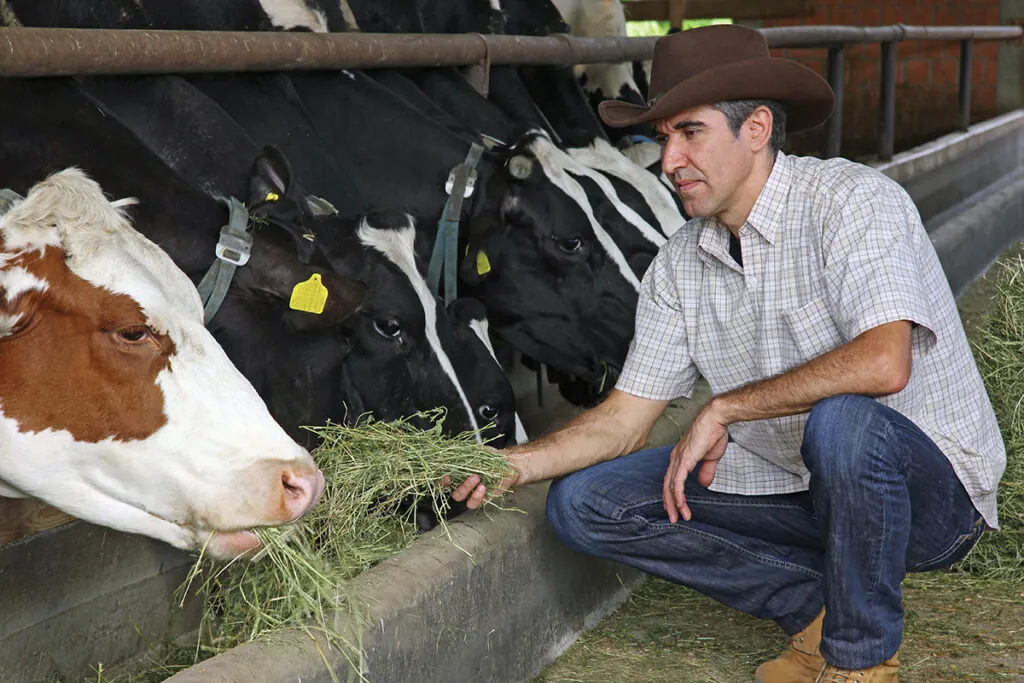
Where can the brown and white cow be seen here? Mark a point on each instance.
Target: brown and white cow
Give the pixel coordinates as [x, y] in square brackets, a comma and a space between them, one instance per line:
[116, 404]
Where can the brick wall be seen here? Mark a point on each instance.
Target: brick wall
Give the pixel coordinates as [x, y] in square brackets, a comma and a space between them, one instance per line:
[927, 73]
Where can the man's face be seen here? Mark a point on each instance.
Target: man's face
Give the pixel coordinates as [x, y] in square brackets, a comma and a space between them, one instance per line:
[706, 162]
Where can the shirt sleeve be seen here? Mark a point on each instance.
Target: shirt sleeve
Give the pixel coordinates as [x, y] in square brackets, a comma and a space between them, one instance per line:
[658, 365]
[872, 246]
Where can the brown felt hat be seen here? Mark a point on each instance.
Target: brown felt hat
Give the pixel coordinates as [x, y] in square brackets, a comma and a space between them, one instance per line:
[711, 64]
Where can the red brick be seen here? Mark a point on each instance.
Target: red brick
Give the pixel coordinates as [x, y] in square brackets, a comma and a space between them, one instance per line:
[845, 16]
[869, 16]
[986, 49]
[821, 14]
[945, 72]
[983, 97]
[992, 14]
[894, 15]
[947, 16]
[990, 73]
[973, 14]
[921, 16]
[916, 72]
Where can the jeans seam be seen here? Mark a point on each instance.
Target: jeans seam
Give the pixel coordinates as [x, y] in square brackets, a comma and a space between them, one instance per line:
[961, 539]
[620, 514]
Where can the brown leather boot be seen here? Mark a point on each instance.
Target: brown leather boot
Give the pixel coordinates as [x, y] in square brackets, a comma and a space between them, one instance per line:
[886, 672]
[800, 662]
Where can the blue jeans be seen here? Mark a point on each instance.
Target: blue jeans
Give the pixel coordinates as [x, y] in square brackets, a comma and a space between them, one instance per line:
[883, 501]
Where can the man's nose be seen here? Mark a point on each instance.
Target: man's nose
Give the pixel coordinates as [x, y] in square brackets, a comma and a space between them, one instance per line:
[673, 158]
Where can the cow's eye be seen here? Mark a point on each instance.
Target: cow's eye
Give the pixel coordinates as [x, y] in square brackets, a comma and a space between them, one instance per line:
[487, 412]
[388, 328]
[570, 245]
[133, 334]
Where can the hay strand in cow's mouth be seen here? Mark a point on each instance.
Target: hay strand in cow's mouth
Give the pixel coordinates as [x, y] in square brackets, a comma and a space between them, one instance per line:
[376, 473]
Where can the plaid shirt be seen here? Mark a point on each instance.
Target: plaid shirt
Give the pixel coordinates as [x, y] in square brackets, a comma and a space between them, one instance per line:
[831, 249]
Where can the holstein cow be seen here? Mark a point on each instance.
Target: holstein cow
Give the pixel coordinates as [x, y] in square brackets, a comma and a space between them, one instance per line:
[398, 347]
[243, 15]
[116, 404]
[554, 283]
[46, 125]
[617, 80]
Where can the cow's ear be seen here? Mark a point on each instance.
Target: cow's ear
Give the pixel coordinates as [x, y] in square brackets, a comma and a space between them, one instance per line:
[311, 297]
[271, 180]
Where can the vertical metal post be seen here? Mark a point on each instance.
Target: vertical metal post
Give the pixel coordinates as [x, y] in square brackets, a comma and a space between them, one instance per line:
[966, 57]
[835, 79]
[887, 103]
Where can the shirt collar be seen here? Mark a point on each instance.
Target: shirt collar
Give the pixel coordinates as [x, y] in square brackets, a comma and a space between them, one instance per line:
[764, 216]
[713, 238]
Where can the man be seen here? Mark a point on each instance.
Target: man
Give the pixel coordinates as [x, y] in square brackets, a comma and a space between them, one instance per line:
[849, 438]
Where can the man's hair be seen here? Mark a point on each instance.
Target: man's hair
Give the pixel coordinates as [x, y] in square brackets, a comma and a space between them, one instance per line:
[738, 111]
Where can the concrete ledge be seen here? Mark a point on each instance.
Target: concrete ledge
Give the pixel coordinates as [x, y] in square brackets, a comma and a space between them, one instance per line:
[501, 613]
[82, 594]
[950, 170]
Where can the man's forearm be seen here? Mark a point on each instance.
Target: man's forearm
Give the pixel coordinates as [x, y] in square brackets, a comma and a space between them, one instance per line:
[877, 363]
[616, 427]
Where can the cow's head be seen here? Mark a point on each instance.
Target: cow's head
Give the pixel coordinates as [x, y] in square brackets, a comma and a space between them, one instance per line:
[408, 353]
[286, 350]
[116, 404]
[555, 284]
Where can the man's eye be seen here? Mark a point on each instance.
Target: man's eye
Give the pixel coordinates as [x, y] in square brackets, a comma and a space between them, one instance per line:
[661, 139]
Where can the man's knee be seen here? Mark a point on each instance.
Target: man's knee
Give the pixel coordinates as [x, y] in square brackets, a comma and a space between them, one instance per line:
[567, 511]
[842, 436]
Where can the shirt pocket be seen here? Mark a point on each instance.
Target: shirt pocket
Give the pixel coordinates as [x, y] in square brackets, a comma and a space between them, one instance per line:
[811, 330]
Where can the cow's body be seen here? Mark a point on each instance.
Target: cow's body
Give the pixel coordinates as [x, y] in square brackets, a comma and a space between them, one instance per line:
[109, 385]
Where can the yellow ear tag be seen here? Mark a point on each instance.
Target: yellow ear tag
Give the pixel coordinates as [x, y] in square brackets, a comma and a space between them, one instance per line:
[271, 197]
[483, 264]
[309, 296]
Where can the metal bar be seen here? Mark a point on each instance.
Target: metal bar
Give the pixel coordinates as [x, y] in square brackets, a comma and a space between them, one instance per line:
[966, 59]
[676, 13]
[63, 52]
[823, 36]
[658, 10]
[887, 103]
[836, 56]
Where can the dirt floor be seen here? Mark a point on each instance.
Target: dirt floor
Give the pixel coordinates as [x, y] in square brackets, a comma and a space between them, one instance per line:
[956, 630]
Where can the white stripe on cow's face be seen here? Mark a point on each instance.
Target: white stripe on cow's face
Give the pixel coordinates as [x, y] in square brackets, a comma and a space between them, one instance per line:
[603, 156]
[649, 232]
[479, 328]
[15, 281]
[554, 161]
[286, 14]
[496, 5]
[398, 247]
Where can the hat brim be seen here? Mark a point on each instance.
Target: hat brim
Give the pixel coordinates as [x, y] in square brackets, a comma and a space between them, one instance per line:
[805, 96]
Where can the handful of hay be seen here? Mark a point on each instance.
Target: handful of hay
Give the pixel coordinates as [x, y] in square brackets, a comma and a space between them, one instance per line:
[998, 345]
[375, 474]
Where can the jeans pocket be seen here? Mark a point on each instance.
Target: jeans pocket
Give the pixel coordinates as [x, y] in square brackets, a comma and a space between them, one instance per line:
[958, 550]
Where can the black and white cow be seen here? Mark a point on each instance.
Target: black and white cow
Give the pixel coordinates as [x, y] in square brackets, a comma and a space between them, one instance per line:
[399, 345]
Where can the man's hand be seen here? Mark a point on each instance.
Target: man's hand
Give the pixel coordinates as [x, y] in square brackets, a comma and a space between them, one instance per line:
[705, 440]
[475, 493]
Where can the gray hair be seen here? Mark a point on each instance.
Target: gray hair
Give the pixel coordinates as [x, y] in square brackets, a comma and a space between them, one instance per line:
[738, 111]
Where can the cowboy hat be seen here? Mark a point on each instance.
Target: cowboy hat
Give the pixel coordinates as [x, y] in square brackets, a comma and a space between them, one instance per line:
[711, 64]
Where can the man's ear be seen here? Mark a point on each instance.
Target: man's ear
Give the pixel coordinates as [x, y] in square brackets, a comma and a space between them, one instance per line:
[759, 128]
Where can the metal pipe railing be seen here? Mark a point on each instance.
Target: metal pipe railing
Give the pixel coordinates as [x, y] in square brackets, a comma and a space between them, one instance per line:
[27, 52]
[38, 52]
[887, 103]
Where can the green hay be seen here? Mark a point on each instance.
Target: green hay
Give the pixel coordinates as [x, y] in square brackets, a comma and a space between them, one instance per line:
[998, 345]
[301, 574]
